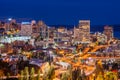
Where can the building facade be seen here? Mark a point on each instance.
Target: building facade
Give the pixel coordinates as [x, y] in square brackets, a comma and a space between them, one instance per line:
[26, 29]
[108, 31]
[82, 33]
[43, 30]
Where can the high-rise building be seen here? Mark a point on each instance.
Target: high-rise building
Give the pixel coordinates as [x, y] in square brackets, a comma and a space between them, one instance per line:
[2, 27]
[12, 25]
[43, 29]
[35, 29]
[51, 32]
[84, 26]
[34, 26]
[26, 29]
[77, 34]
[82, 33]
[108, 31]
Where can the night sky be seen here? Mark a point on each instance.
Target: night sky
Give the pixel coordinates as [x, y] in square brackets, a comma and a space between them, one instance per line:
[100, 12]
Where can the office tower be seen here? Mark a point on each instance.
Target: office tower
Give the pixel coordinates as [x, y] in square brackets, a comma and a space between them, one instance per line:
[77, 37]
[108, 31]
[51, 32]
[34, 26]
[42, 29]
[26, 29]
[84, 26]
[82, 33]
[35, 29]
[33, 22]
[12, 25]
[2, 27]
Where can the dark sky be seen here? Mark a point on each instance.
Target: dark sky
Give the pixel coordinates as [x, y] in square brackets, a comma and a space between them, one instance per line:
[63, 11]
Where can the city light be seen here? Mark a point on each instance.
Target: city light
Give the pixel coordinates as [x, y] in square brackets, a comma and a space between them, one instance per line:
[9, 19]
[38, 44]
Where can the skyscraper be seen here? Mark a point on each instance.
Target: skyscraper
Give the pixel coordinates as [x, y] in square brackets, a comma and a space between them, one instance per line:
[84, 34]
[77, 38]
[43, 29]
[26, 29]
[108, 31]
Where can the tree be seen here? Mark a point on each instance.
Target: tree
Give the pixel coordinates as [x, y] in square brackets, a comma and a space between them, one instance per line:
[110, 76]
[100, 77]
[79, 75]
[8, 75]
[21, 75]
[115, 77]
[84, 77]
[50, 74]
[70, 72]
[32, 74]
[76, 74]
[1, 73]
[26, 73]
[99, 67]
[64, 76]
[38, 76]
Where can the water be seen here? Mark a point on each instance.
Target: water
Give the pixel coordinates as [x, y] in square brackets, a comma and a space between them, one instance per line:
[116, 30]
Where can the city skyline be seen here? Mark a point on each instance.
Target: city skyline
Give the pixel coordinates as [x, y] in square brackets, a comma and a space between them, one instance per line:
[63, 12]
[59, 40]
